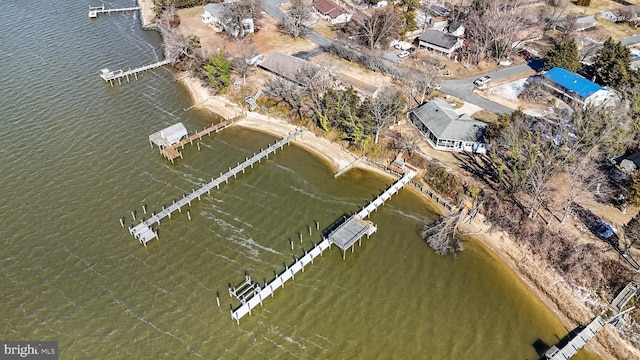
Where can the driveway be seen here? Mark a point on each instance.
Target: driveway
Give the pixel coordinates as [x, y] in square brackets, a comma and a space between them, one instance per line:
[272, 8]
[463, 88]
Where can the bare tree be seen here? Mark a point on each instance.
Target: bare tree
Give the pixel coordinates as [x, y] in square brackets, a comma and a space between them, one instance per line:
[384, 108]
[183, 52]
[378, 28]
[241, 16]
[444, 235]
[497, 27]
[239, 62]
[295, 18]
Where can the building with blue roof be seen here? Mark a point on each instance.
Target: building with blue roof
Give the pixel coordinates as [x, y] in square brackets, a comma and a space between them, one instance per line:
[577, 88]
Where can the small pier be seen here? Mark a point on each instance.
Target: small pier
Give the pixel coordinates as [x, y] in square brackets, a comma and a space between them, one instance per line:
[344, 169]
[171, 152]
[110, 76]
[143, 231]
[632, 289]
[94, 11]
[345, 236]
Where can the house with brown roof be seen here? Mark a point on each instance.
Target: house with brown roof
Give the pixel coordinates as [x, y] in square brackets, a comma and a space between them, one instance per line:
[331, 11]
[438, 41]
[294, 69]
[359, 86]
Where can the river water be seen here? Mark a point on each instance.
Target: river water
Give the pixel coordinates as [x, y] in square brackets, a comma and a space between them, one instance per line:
[75, 159]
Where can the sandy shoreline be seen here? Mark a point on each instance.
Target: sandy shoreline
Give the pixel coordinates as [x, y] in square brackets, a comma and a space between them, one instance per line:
[331, 153]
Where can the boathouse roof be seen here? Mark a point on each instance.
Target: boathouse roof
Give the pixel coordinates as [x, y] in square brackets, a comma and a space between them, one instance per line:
[170, 135]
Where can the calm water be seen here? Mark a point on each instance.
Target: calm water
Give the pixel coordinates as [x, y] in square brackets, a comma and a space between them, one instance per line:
[75, 158]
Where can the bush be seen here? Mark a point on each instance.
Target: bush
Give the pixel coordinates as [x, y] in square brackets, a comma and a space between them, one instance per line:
[443, 182]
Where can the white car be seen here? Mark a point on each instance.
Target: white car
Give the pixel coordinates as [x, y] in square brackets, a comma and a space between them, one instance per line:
[404, 54]
[481, 80]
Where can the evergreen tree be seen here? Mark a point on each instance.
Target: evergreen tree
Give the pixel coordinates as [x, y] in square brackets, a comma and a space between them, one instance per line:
[564, 54]
[612, 64]
[218, 72]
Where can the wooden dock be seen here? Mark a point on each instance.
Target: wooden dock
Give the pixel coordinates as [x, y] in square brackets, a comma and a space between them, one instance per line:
[94, 11]
[575, 344]
[143, 231]
[171, 152]
[110, 76]
[346, 235]
[263, 292]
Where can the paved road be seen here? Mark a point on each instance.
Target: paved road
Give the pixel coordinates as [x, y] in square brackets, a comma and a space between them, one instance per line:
[463, 88]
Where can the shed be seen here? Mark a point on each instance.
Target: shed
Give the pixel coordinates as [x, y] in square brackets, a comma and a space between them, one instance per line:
[631, 163]
[169, 136]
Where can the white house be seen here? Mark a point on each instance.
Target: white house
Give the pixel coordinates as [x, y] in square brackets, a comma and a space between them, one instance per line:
[456, 28]
[331, 12]
[213, 16]
[439, 41]
[446, 130]
[613, 15]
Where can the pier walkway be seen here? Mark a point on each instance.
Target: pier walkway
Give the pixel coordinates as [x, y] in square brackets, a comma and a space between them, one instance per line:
[568, 350]
[344, 236]
[171, 151]
[572, 348]
[109, 76]
[94, 11]
[143, 231]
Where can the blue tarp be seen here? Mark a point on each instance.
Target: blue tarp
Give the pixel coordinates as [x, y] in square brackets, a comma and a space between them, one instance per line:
[572, 82]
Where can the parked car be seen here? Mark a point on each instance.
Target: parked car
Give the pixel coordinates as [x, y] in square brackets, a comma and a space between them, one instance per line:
[603, 229]
[481, 80]
[404, 54]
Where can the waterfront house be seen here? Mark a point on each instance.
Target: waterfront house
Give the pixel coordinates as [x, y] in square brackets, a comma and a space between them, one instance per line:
[446, 130]
[438, 41]
[214, 16]
[577, 88]
[330, 11]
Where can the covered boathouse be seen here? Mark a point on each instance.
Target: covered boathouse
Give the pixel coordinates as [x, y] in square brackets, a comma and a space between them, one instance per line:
[169, 136]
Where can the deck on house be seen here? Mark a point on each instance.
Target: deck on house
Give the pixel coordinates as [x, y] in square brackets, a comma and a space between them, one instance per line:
[109, 76]
[143, 231]
[344, 236]
[94, 11]
[171, 151]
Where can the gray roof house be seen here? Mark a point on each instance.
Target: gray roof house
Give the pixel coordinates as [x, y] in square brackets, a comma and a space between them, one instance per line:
[446, 130]
[439, 41]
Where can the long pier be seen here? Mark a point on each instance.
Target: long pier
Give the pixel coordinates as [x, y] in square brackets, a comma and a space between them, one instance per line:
[143, 231]
[109, 76]
[94, 11]
[344, 236]
[171, 151]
